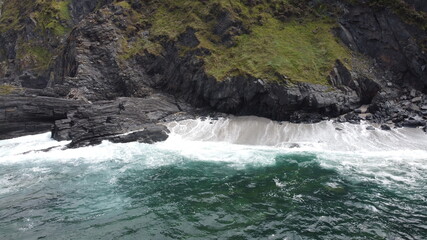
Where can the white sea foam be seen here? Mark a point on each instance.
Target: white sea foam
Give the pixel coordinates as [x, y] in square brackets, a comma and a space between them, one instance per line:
[322, 136]
[389, 157]
[393, 156]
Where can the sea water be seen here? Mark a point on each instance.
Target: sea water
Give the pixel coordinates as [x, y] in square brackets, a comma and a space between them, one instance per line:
[236, 178]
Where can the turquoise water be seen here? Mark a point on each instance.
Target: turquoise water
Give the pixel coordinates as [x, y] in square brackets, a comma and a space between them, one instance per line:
[197, 187]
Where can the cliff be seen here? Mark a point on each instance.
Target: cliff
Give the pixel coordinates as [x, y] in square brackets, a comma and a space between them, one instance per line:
[302, 61]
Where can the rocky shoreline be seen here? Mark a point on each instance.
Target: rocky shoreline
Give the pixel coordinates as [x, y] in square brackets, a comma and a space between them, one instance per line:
[141, 119]
[94, 89]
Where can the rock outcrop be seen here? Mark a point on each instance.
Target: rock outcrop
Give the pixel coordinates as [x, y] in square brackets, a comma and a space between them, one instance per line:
[395, 45]
[92, 63]
[120, 120]
[23, 115]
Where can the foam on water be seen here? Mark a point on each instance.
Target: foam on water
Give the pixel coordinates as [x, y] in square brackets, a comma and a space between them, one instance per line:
[63, 190]
[390, 157]
[322, 136]
[399, 155]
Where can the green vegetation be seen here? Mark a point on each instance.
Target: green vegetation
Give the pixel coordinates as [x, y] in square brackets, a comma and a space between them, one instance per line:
[52, 20]
[53, 16]
[131, 45]
[274, 43]
[123, 4]
[290, 49]
[48, 15]
[131, 49]
[276, 40]
[12, 12]
[299, 52]
[6, 89]
[34, 56]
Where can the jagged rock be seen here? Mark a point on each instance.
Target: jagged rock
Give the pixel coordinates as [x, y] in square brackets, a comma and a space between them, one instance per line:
[420, 5]
[91, 61]
[385, 127]
[23, 115]
[413, 123]
[120, 120]
[381, 34]
[150, 134]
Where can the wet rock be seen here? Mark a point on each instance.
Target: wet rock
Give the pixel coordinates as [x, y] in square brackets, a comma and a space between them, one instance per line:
[370, 128]
[23, 115]
[368, 117]
[150, 134]
[413, 123]
[294, 145]
[385, 127]
[120, 120]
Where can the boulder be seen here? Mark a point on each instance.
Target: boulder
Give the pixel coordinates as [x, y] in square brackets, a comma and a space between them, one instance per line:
[414, 123]
[385, 127]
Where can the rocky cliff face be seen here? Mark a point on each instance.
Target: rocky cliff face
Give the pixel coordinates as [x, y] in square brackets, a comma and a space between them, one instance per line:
[419, 5]
[31, 34]
[286, 60]
[395, 45]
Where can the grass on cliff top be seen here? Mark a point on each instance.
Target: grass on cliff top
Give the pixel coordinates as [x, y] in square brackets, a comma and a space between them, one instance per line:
[292, 51]
[172, 17]
[51, 15]
[295, 51]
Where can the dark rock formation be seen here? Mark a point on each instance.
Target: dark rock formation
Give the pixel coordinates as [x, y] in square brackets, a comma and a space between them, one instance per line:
[382, 35]
[80, 8]
[91, 62]
[385, 127]
[419, 5]
[120, 120]
[23, 115]
[31, 33]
